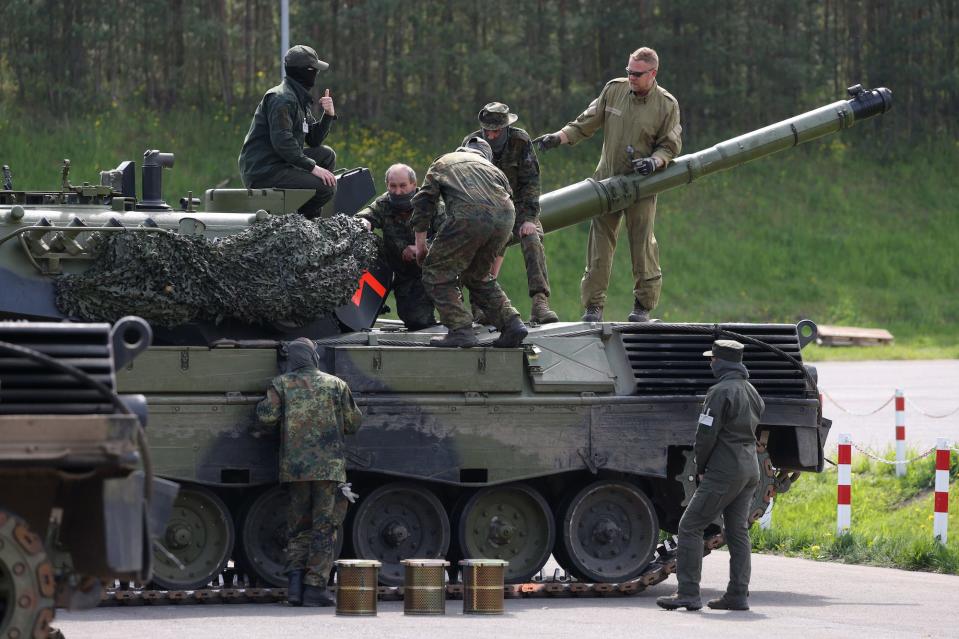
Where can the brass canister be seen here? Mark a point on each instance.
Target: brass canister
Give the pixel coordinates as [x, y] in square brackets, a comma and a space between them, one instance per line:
[356, 586]
[424, 590]
[483, 586]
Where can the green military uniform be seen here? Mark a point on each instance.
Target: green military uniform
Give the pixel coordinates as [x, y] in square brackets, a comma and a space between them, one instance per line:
[413, 305]
[479, 219]
[517, 160]
[315, 410]
[273, 154]
[649, 123]
[726, 459]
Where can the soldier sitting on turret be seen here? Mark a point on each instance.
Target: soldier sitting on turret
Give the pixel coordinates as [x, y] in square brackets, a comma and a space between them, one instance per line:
[273, 153]
[391, 212]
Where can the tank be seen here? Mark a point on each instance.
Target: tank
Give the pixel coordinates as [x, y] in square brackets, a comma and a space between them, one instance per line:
[578, 444]
[75, 511]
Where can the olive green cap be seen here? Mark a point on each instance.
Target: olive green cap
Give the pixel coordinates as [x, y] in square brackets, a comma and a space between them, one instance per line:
[301, 55]
[727, 349]
[496, 115]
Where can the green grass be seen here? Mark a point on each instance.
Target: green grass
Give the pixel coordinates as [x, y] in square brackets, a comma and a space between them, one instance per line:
[891, 518]
[825, 232]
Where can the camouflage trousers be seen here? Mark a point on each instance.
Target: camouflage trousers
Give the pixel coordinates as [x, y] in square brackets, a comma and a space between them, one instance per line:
[292, 177]
[316, 511]
[413, 305]
[603, 233]
[462, 254]
[730, 498]
[534, 255]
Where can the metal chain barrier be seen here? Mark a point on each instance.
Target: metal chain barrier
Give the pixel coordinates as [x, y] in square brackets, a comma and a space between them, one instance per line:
[893, 462]
[854, 414]
[930, 415]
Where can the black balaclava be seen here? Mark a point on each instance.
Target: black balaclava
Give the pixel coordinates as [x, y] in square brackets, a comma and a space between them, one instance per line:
[499, 143]
[403, 202]
[722, 366]
[304, 75]
[302, 354]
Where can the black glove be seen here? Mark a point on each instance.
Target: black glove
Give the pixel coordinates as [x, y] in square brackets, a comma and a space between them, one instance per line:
[547, 142]
[644, 166]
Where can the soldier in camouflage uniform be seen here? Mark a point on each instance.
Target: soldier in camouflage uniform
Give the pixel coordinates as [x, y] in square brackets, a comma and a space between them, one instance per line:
[513, 154]
[273, 154]
[479, 219]
[314, 411]
[728, 472]
[391, 212]
[634, 112]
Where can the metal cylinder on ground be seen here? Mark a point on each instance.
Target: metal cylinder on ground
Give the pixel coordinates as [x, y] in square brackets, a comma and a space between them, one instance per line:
[483, 586]
[424, 590]
[356, 587]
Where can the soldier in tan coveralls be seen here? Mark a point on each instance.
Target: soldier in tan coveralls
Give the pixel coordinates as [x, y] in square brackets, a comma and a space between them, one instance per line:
[633, 112]
[314, 411]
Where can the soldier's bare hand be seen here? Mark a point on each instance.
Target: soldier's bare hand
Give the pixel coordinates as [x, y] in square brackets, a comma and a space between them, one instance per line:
[409, 253]
[366, 223]
[328, 178]
[526, 228]
[327, 103]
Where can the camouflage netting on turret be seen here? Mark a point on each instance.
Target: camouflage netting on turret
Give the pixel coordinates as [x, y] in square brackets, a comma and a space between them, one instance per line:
[286, 269]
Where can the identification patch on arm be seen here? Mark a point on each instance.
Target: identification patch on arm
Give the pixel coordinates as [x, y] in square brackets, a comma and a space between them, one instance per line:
[706, 419]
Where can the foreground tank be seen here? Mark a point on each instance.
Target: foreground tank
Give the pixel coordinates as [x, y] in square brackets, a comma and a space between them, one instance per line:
[75, 512]
[576, 445]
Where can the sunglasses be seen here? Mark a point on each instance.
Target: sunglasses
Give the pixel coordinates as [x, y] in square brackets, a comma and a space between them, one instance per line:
[637, 74]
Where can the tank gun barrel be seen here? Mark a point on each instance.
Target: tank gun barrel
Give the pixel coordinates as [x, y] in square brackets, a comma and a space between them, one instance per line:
[581, 201]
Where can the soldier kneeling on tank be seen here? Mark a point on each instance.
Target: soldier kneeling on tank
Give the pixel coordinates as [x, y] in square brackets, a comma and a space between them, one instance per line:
[391, 212]
[314, 410]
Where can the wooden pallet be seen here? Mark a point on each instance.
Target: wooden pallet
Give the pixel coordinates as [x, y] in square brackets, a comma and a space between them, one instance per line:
[852, 336]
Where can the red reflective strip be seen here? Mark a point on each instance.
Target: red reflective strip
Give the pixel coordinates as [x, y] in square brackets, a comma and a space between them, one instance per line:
[942, 459]
[843, 495]
[368, 279]
[900, 433]
[845, 454]
[942, 502]
[900, 403]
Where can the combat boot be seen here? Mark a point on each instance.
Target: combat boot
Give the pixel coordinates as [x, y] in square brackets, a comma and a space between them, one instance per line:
[512, 334]
[457, 338]
[672, 602]
[639, 313]
[594, 313]
[541, 313]
[294, 590]
[728, 602]
[317, 597]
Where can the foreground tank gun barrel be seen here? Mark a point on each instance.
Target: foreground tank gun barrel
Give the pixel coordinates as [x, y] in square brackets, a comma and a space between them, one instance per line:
[578, 202]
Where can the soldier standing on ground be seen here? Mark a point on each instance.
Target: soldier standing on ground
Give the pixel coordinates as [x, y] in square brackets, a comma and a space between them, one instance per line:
[315, 410]
[728, 472]
[513, 154]
[479, 219]
[391, 212]
[273, 154]
[633, 112]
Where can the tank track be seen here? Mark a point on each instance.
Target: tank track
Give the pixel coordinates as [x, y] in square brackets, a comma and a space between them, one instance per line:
[559, 585]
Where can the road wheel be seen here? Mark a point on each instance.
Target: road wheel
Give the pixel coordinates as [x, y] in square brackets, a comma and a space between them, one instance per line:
[27, 585]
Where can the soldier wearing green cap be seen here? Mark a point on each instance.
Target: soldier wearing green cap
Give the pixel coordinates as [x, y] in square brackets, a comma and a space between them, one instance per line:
[728, 472]
[274, 153]
[641, 133]
[513, 154]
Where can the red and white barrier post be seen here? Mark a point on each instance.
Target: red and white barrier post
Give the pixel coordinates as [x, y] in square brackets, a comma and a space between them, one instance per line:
[940, 522]
[900, 434]
[844, 489]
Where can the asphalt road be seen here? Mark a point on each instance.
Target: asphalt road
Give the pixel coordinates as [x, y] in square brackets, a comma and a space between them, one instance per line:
[789, 598]
[854, 388]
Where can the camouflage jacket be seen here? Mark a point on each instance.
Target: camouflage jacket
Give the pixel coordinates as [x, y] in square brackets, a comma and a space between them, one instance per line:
[276, 137]
[650, 123]
[314, 411]
[397, 232]
[465, 181]
[518, 161]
